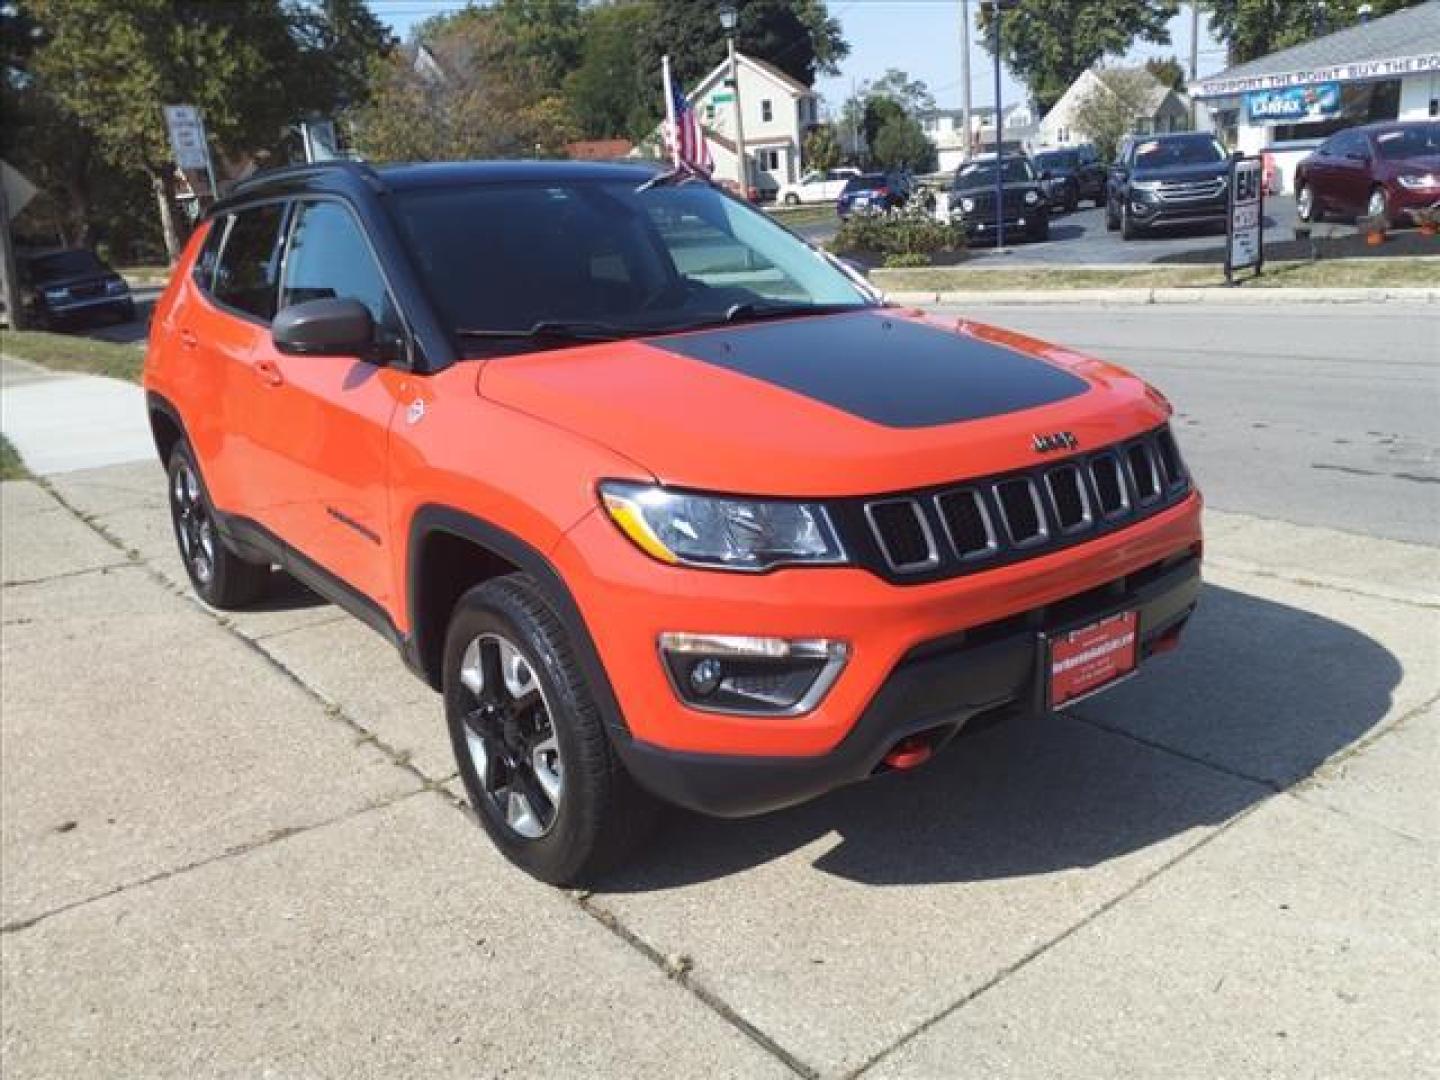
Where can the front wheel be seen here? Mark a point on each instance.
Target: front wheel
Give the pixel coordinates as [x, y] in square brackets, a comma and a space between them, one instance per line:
[1305, 203]
[1128, 228]
[791, 199]
[1378, 206]
[529, 741]
[220, 577]
[1111, 221]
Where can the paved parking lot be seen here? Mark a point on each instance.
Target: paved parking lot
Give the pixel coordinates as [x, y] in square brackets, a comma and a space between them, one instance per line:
[232, 845]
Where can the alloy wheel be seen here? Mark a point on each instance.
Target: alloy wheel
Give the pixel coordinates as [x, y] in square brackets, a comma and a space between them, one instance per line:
[193, 525]
[1306, 207]
[510, 736]
[1377, 203]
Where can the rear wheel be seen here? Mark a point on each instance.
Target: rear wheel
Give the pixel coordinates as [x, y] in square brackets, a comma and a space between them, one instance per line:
[1112, 222]
[220, 577]
[529, 741]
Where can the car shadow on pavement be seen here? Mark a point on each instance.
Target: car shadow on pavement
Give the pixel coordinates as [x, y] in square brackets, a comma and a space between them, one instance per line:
[1258, 696]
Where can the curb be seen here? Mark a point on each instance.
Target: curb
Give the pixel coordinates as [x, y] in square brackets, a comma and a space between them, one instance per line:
[1178, 295]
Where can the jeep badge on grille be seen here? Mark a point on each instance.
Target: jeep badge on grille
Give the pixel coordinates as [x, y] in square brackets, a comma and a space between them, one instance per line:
[1052, 441]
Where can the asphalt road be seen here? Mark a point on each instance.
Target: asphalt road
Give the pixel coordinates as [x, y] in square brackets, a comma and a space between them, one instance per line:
[1081, 239]
[1313, 414]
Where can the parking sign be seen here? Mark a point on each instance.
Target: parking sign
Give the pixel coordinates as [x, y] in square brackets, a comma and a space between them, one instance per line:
[1245, 235]
[187, 136]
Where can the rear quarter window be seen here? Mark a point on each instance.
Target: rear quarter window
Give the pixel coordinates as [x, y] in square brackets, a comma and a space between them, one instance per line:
[247, 275]
[203, 272]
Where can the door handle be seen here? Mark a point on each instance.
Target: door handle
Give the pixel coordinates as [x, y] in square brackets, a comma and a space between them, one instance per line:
[188, 339]
[269, 372]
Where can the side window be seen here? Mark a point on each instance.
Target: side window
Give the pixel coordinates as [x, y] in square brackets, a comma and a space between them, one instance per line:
[767, 110]
[203, 271]
[249, 266]
[329, 259]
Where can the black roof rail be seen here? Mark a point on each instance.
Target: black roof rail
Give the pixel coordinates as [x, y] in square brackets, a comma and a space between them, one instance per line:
[359, 169]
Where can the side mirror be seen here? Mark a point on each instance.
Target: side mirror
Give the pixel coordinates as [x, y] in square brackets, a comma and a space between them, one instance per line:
[1360, 156]
[329, 327]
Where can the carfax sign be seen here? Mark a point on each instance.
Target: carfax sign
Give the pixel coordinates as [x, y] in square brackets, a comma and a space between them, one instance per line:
[1245, 234]
[1294, 104]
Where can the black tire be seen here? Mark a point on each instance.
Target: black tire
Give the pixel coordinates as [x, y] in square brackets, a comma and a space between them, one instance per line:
[600, 815]
[1039, 232]
[1072, 198]
[126, 312]
[1128, 228]
[1300, 211]
[791, 199]
[1112, 223]
[219, 576]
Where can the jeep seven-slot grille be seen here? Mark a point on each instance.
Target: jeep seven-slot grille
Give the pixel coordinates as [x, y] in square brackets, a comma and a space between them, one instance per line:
[926, 535]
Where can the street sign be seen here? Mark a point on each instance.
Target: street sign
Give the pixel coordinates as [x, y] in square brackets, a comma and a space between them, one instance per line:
[1245, 226]
[187, 136]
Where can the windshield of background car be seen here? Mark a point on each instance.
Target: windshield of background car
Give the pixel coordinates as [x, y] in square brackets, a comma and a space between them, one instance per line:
[1418, 140]
[1063, 160]
[982, 173]
[865, 183]
[1165, 153]
[64, 264]
[500, 257]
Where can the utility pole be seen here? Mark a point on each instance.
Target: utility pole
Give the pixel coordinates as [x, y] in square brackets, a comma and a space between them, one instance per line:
[965, 73]
[728, 18]
[1194, 61]
[9, 286]
[995, 11]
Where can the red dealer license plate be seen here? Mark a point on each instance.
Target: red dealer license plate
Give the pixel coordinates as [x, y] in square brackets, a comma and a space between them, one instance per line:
[1091, 658]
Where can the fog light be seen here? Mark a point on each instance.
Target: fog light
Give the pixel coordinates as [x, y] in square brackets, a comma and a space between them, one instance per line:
[753, 676]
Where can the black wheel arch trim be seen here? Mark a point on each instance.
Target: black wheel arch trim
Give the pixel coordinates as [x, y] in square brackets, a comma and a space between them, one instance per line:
[157, 403]
[433, 518]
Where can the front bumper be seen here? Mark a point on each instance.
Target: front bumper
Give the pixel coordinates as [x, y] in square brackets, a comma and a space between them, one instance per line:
[1021, 224]
[1150, 211]
[935, 688]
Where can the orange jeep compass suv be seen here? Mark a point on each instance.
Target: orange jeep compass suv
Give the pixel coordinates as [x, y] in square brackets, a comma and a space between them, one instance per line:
[665, 502]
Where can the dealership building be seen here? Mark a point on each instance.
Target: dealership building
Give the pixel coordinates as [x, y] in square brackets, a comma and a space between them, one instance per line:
[1286, 103]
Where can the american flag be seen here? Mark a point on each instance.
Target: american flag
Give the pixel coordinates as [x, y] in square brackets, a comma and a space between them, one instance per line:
[683, 133]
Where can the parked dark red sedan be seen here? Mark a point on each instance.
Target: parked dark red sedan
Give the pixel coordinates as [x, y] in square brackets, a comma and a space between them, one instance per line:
[1389, 168]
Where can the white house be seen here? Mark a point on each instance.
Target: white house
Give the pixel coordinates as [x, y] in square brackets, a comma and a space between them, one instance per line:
[778, 111]
[1286, 103]
[946, 129]
[1164, 110]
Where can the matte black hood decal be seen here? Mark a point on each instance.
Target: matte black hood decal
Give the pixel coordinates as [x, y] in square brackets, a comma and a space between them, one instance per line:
[890, 371]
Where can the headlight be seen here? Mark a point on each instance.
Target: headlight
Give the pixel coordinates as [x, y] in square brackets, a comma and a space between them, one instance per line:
[968, 205]
[721, 532]
[56, 294]
[1418, 182]
[116, 286]
[1031, 198]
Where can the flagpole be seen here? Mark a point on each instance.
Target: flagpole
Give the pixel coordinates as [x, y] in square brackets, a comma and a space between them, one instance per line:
[671, 129]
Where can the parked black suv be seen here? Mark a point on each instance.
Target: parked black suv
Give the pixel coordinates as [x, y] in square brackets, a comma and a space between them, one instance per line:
[58, 287]
[1026, 210]
[1160, 180]
[1071, 174]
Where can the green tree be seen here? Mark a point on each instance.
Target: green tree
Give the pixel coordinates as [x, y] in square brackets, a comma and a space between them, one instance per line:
[1251, 28]
[797, 36]
[1168, 71]
[1107, 112]
[610, 93]
[912, 95]
[1048, 43]
[822, 147]
[901, 144]
[252, 69]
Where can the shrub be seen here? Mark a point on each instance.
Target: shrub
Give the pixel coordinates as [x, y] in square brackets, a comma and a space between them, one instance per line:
[906, 261]
[909, 231]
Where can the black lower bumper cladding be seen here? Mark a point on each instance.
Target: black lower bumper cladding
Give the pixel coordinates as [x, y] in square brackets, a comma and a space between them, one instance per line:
[935, 689]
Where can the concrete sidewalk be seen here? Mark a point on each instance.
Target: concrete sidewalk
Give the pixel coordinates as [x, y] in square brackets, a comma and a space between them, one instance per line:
[231, 845]
[61, 422]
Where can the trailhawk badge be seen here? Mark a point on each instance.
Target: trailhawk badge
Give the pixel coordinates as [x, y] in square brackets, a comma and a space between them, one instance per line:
[1052, 441]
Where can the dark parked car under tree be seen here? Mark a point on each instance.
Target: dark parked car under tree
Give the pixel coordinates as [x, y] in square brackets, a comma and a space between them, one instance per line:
[1386, 169]
[1025, 208]
[1163, 180]
[873, 192]
[61, 287]
[1070, 175]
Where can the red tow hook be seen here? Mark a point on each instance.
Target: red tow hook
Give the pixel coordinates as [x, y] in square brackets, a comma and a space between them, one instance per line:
[909, 752]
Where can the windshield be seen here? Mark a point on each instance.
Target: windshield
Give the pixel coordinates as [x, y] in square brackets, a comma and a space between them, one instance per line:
[501, 257]
[982, 173]
[1064, 159]
[1164, 153]
[65, 264]
[1418, 140]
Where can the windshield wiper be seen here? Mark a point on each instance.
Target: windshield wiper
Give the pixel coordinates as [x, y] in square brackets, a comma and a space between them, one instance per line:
[749, 311]
[564, 330]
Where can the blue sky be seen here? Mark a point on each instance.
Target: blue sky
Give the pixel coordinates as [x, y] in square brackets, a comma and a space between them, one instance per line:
[921, 37]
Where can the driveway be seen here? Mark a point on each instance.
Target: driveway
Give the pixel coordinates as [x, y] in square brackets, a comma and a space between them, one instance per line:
[234, 845]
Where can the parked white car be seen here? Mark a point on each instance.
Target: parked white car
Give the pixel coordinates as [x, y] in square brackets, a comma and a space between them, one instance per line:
[816, 186]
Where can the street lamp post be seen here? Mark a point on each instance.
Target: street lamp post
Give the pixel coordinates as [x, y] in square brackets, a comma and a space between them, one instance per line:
[728, 18]
[995, 9]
